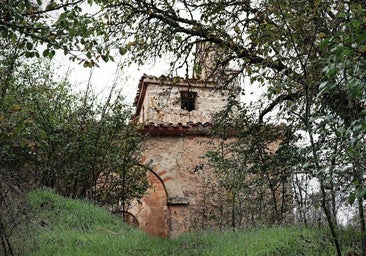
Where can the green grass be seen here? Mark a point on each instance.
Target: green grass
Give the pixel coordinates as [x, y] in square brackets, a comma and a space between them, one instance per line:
[60, 226]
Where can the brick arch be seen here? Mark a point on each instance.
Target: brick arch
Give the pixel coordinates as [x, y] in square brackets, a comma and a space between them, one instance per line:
[151, 211]
[172, 187]
[163, 209]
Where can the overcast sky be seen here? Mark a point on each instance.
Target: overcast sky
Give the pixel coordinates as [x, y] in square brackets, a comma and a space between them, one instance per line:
[108, 74]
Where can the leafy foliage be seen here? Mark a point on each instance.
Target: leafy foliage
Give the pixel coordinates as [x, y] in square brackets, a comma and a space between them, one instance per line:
[255, 168]
[51, 137]
[54, 25]
[66, 141]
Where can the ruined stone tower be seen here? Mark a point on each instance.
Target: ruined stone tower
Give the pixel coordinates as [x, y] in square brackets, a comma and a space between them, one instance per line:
[176, 114]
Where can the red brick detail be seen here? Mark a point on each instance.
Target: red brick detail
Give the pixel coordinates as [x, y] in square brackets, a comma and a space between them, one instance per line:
[167, 179]
[143, 159]
[162, 173]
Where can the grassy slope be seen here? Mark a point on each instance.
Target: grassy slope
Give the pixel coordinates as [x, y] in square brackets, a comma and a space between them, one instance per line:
[59, 226]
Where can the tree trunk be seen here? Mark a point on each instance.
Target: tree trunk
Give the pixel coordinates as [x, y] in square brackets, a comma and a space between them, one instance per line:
[330, 220]
[361, 216]
[233, 213]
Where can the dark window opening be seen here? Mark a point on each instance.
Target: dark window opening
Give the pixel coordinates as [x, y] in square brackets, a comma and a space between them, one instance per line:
[188, 100]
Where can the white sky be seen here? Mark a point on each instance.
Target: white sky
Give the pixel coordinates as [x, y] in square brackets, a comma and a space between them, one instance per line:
[106, 75]
[103, 78]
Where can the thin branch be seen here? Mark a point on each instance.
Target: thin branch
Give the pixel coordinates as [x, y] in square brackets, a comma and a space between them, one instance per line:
[285, 97]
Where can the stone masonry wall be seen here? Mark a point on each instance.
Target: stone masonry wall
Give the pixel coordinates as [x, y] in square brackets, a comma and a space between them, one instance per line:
[162, 105]
[179, 165]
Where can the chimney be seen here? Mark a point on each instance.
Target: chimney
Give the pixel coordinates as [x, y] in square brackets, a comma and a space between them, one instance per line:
[205, 61]
[211, 64]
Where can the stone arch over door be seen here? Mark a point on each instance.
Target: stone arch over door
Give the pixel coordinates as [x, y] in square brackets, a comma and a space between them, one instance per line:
[172, 186]
[161, 212]
[151, 211]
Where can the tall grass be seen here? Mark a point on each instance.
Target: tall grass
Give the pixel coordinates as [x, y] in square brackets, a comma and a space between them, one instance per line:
[60, 226]
[259, 241]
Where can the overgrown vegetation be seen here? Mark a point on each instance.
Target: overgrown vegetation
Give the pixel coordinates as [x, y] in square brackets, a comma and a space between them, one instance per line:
[308, 56]
[54, 225]
[254, 168]
[75, 144]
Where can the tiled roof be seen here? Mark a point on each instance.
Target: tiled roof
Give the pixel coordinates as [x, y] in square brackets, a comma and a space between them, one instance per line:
[169, 129]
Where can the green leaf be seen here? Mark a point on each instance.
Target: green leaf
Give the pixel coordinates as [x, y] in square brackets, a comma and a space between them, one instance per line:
[352, 198]
[363, 112]
[29, 46]
[105, 58]
[45, 53]
[305, 165]
[122, 50]
[341, 131]
[42, 133]
[361, 193]
[62, 16]
[328, 118]
[357, 128]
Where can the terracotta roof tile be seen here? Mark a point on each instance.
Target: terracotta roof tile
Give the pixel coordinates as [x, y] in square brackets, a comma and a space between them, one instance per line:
[169, 129]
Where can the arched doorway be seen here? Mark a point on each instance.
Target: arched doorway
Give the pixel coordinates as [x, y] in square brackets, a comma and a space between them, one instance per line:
[151, 211]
